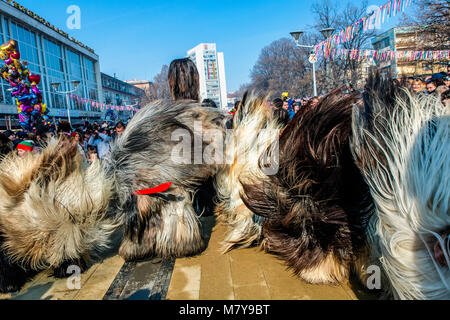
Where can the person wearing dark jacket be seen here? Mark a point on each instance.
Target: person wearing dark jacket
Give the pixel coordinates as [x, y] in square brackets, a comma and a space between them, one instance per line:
[4, 145]
[118, 130]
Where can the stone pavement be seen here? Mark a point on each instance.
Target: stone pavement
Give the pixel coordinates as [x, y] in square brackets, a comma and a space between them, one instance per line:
[247, 274]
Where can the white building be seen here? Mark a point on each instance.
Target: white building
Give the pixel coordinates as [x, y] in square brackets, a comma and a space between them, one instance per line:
[211, 67]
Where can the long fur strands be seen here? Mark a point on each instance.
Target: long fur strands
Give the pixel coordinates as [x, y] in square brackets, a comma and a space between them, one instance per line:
[53, 210]
[255, 128]
[147, 155]
[402, 145]
[317, 204]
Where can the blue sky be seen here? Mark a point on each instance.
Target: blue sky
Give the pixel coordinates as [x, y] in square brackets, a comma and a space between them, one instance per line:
[135, 38]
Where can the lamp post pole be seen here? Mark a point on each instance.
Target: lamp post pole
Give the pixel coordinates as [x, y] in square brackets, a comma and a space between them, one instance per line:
[56, 85]
[313, 61]
[312, 58]
[68, 109]
[314, 77]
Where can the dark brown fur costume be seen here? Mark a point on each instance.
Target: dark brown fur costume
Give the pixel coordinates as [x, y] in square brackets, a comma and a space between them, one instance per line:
[317, 204]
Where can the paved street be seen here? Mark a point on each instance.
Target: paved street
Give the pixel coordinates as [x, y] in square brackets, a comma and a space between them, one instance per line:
[248, 274]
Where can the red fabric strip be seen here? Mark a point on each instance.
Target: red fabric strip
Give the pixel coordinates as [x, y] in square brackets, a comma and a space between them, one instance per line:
[161, 188]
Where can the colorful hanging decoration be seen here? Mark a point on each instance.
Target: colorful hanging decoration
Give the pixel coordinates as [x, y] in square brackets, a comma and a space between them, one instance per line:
[378, 17]
[388, 55]
[24, 87]
[102, 106]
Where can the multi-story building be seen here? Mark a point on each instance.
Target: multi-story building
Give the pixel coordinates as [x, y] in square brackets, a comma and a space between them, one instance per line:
[57, 57]
[211, 68]
[406, 39]
[146, 85]
[120, 93]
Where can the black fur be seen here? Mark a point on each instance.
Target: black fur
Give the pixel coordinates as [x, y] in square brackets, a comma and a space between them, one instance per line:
[12, 276]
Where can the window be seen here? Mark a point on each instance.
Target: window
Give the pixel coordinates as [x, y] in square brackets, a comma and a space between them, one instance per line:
[74, 65]
[8, 37]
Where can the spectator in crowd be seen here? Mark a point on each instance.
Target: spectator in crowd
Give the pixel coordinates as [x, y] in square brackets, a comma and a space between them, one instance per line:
[95, 125]
[102, 141]
[314, 101]
[92, 154]
[41, 141]
[447, 81]
[290, 110]
[11, 136]
[4, 145]
[445, 97]
[79, 138]
[184, 80]
[418, 86]
[208, 103]
[86, 137]
[433, 84]
[297, 107]
[64, 128]
[24, 147]
[21, 136]
[229, 123]
[118, 130]
[410, 82]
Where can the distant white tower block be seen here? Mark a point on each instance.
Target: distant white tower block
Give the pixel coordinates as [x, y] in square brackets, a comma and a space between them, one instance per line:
[211, 68]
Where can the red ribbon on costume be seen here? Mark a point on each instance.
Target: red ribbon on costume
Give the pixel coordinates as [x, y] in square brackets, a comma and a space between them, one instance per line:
[161, 188]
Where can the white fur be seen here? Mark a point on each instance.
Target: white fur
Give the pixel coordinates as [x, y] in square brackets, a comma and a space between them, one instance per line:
[252, 135]
[409, 175]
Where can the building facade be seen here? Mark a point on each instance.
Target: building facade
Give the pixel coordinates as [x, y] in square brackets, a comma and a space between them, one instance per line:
[145, 85]
[57, 57]
[406, 39]
[120, 93]
[211, 68]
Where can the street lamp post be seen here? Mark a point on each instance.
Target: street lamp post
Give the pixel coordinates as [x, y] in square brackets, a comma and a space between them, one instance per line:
[56, 86]
[136, 104]
[312, 58]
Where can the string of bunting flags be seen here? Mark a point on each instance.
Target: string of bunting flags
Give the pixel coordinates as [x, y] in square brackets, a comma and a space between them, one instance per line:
[376, 18]
[388, 55]
[102, 106]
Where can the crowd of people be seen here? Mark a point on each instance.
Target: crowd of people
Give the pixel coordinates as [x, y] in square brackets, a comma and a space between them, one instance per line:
[94, 139]
[436, 84]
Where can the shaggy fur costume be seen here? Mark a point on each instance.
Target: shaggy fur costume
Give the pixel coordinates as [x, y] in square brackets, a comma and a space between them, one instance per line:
[255, 129]
[317, 204]
[52, 212]
[148, 155]
[402, 144]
